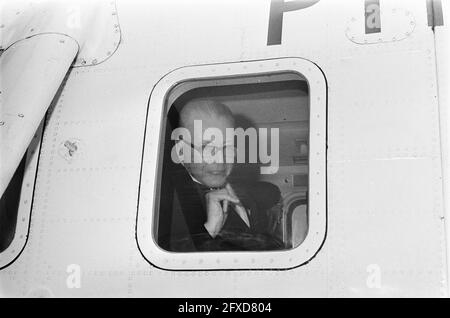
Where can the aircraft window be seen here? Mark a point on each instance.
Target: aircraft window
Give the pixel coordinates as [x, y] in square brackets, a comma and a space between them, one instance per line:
[9, 205]
[235, 164]
[15, 204]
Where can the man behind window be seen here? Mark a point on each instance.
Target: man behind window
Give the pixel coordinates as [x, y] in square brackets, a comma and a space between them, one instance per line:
[218, 215]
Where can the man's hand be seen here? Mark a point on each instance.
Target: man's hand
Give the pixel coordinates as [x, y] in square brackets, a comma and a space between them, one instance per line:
[217, 209]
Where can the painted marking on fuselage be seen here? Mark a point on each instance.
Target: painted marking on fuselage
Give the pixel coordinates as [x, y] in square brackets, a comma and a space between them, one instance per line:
[277, 9]
[434, 13]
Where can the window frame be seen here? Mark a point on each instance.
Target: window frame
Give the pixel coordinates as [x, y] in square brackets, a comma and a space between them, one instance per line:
[148, 194]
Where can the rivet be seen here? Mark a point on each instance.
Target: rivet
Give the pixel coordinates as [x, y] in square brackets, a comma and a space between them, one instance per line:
[31, 30]
[2, 123]
[94, 61]
[20, 115]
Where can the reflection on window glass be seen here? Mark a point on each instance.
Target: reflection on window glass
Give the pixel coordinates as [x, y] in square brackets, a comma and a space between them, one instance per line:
[235, 166]
[9, 205]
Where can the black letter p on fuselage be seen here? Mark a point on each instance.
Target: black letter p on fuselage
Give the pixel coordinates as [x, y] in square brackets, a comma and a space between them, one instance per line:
[277, 9]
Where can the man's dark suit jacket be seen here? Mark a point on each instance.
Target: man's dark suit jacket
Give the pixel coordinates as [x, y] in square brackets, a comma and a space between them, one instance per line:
[182, 216]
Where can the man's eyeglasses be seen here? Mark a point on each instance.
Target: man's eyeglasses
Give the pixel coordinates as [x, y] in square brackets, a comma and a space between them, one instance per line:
[209, 151]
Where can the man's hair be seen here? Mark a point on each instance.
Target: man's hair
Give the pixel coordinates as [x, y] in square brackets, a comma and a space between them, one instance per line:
[209, 107]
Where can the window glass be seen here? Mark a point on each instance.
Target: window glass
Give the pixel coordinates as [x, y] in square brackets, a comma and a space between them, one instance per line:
[234, 168]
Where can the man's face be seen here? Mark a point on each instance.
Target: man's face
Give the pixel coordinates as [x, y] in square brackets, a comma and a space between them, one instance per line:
[211, 174]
